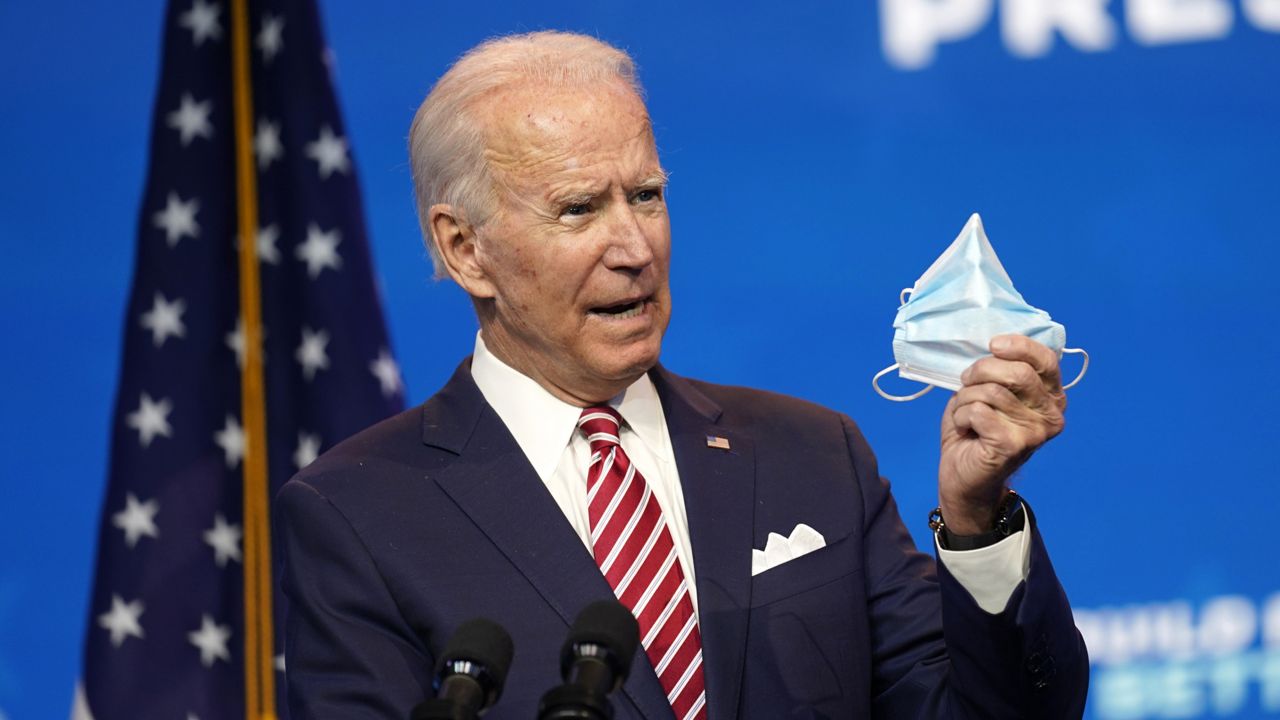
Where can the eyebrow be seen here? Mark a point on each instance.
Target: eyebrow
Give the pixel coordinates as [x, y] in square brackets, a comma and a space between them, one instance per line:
[577, 192]
[658, 177]
[574, 193]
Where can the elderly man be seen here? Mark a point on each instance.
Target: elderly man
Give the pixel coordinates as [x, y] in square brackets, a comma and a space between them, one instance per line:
[562, 464]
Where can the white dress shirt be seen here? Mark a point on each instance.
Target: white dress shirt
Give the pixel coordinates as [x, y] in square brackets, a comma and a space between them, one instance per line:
[546, 429]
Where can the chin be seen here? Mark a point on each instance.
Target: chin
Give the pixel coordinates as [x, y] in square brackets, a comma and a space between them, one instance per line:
[629, 362]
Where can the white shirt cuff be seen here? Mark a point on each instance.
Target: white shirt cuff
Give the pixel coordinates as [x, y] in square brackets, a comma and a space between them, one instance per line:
[992, 573]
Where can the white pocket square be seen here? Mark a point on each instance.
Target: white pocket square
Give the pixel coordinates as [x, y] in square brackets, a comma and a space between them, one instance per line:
[778, 550]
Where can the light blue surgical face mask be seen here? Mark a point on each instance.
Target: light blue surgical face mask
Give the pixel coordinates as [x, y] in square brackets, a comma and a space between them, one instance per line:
[963, 300]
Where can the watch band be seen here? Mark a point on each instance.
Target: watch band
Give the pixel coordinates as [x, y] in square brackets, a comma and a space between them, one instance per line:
[1009, 519]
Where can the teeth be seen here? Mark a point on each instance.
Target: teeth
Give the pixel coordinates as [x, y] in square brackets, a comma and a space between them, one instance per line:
[634, 311]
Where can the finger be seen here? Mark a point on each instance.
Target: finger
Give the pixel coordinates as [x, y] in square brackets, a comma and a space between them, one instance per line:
[994, 395]
[1005, 438]
[988, 425]
[1035, 354]
[961, 417]
[1019, 377]
[1037, 420]
[986, 422]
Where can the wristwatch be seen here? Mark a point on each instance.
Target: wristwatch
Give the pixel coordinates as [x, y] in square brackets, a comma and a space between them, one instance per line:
[1010, 518]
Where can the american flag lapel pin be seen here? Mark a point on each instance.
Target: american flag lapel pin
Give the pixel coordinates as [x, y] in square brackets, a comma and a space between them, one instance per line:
[717, 442]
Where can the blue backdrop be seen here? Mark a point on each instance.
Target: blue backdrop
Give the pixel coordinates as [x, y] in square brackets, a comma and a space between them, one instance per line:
[1125, 157]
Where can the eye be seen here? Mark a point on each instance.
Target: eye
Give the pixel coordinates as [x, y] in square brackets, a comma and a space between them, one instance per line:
[577, 209]
[647, 195]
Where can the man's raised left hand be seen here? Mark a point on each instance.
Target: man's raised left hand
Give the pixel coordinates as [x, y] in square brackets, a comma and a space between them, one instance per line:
[1009, 405]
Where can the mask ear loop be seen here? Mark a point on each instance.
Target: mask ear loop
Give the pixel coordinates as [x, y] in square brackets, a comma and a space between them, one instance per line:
[1084, 369]
[875, 383]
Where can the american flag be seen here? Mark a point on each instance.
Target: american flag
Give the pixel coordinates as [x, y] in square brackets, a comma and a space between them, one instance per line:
[166, 627]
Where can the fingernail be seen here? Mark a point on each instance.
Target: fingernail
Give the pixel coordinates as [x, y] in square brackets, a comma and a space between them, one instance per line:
[1000, 343]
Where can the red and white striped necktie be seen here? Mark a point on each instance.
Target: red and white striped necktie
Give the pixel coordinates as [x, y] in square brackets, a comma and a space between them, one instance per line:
[636, 554]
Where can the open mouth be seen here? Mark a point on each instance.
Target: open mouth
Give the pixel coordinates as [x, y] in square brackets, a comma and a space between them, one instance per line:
[622, 311]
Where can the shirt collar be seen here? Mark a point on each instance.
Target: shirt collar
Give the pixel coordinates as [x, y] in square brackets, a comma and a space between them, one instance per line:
[543, 425]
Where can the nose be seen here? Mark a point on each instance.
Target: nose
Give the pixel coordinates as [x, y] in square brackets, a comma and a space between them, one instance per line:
[630, 248]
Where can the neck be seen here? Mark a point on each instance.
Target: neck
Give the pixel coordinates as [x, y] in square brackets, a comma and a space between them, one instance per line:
[578, 392]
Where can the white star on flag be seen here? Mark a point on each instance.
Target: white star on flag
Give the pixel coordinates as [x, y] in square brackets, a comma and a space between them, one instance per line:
[224, 538]
[178, 219]
[308, 449]
[265, 244]
[330, 152]
[270, 38]
[320, 250]
[122, 620]
[266, 143]
[150, 419]
[311, 353]
[235, 341]
[387, 371]
[191, 119]
[231, 439]
[211, 639]
[137, 519]
[280, 662]
[164, 319]
[202, 21]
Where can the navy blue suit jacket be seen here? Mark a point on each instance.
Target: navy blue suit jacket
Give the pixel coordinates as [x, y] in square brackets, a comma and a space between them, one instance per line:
[397, 536]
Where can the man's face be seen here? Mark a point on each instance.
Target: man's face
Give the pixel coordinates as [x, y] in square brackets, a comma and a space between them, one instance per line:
[576, 255]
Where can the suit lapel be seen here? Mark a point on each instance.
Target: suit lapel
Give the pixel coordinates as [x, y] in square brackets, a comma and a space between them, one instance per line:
[494, 484]
[719, 495]
[496, 487]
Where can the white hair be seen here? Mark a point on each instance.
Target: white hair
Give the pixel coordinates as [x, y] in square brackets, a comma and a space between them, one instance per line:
[446, 140]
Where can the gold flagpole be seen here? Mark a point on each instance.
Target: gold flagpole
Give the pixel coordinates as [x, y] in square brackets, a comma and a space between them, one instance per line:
[259, 670]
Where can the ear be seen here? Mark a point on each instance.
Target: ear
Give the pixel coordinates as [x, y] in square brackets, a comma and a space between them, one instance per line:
[455, 241]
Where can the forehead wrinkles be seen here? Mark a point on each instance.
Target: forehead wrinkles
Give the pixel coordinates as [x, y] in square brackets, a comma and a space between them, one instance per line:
[533, 136]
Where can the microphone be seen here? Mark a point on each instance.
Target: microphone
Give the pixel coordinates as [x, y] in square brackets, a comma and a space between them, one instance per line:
[470, 674]
[594, 662]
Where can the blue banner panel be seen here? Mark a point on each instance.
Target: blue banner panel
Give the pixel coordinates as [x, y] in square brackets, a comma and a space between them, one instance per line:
[1124, 156]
